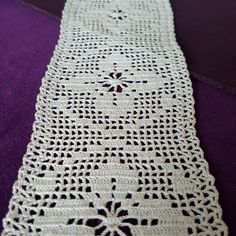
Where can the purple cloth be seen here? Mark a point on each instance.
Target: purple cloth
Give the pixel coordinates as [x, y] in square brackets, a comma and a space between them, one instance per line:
[53, 7]
[27, 41]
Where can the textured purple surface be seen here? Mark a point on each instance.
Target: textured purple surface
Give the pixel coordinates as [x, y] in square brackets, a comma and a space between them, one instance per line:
[205, 28]
[27, 41]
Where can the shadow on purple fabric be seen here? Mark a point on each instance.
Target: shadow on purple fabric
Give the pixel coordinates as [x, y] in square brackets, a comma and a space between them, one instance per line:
[27, 41]
[205, 30]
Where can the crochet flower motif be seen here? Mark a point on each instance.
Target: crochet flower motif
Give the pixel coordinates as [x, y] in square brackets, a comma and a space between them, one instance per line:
[118, 15]
[113, 221]
[115, 82]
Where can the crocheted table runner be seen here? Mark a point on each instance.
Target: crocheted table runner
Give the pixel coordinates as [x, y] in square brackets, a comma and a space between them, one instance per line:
[114, 150]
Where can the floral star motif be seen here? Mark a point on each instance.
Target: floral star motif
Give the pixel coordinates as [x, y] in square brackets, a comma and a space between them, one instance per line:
[118, 15]
[114, 220]
[115, 82]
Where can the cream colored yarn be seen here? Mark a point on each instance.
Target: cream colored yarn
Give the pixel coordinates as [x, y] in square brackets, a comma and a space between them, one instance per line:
[114, 151]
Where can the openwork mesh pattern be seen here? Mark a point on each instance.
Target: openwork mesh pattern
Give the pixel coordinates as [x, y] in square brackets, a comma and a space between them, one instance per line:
[114, 150]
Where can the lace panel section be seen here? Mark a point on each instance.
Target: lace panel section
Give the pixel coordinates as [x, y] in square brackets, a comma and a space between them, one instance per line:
[114, 151]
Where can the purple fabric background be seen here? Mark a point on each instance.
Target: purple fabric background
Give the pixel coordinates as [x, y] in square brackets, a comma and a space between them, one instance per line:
[27, 41]
[206, 31]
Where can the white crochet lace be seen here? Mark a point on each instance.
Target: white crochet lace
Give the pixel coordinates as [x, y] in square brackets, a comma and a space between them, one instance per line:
[114, 151]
